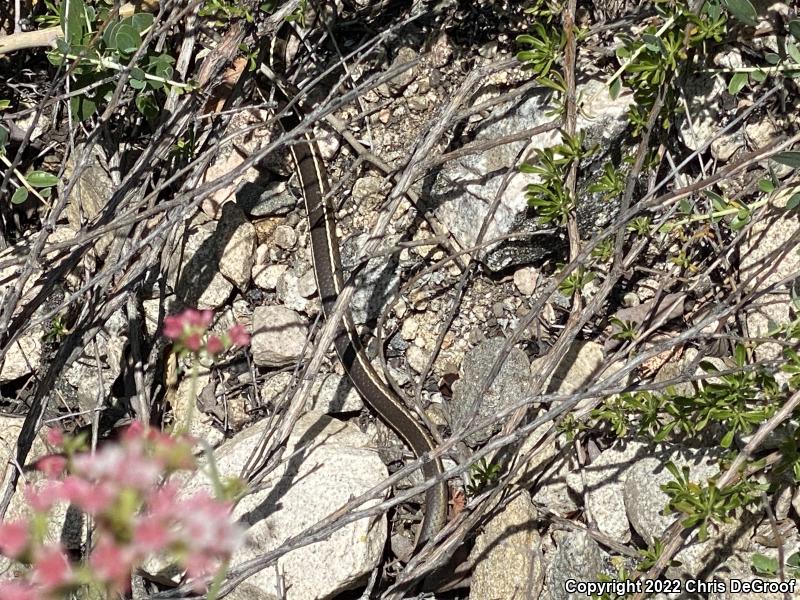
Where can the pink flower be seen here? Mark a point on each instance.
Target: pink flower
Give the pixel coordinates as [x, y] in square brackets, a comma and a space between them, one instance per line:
[214, 345]
[192, 342]
[111, 563]
[52, 465]
[190, 320]
[173, 327]
[14, 538]
[150, 535]
[161, 503]
[206, 524]
[239, 336]
[198, 318]
[45, 496]
[55, 437]
[51, 568]
[17, 590]
[199, 567]
[90, 498]
[134, 431]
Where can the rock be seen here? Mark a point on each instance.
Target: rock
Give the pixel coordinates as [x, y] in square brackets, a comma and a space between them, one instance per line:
[92, 191]
[605, 479]
[465, 188]
[642, 492]
[367, 191]
[334, 464]
[578, 557]
[417, 358]
[441, 51]
[92, 385]
[725, 146]
[279, 336]
[214, 254]
[763, 265]
[266, 275]
[23, 357]
[645, 501]
[236, 245]
[404, 56]
[505, 566]
[551, 490]
[285, 237]
[737, 570]
[187, 413]
[64, 525]
[274, 387]
[246, 591]
[307, 284]
[578, 369]
[509, 388]
[334, 394]
[375, 281]
[265, 228]
[231, 156]
[194, 267]
[410, 328]
[274, 199]
[525, 279]
[289, 293]
[705, 94]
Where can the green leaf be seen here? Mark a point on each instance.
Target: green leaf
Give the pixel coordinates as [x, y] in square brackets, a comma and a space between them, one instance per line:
[789, 158]
[73, 21]
[793, 202]
[41, 179]
[794, 560]
[727, 440]
[140, 21]
[108, 34]
[764, 565]
[3, 138]
[19, 196]
[758, 76]
[772, 58]
[742, 10]
[737, 82]
[653, 43]
[146, 104]
[4, 104]
[137, 84]
[794, 52]
[615, 88]
[82, 107]
[126, 39]
[766, 186]
[794, 29]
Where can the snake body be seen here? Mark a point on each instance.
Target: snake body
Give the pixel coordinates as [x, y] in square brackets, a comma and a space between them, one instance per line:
[311, 171]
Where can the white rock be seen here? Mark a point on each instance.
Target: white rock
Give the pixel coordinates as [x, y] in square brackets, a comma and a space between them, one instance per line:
[762, 267]
[335, 465]
[525, 279]
[237, 244]
[604, 482]
[505, 567]
[279, 335]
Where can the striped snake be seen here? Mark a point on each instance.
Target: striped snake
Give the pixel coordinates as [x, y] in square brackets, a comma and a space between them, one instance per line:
[310, 169]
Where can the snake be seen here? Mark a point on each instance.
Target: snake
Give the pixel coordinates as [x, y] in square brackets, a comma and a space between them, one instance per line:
[380, 398]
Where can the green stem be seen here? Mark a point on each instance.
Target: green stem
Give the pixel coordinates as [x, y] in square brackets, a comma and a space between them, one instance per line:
[110, 64]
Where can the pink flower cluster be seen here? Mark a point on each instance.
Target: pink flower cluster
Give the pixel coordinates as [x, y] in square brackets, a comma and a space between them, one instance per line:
[136, 516]
[189, 331]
